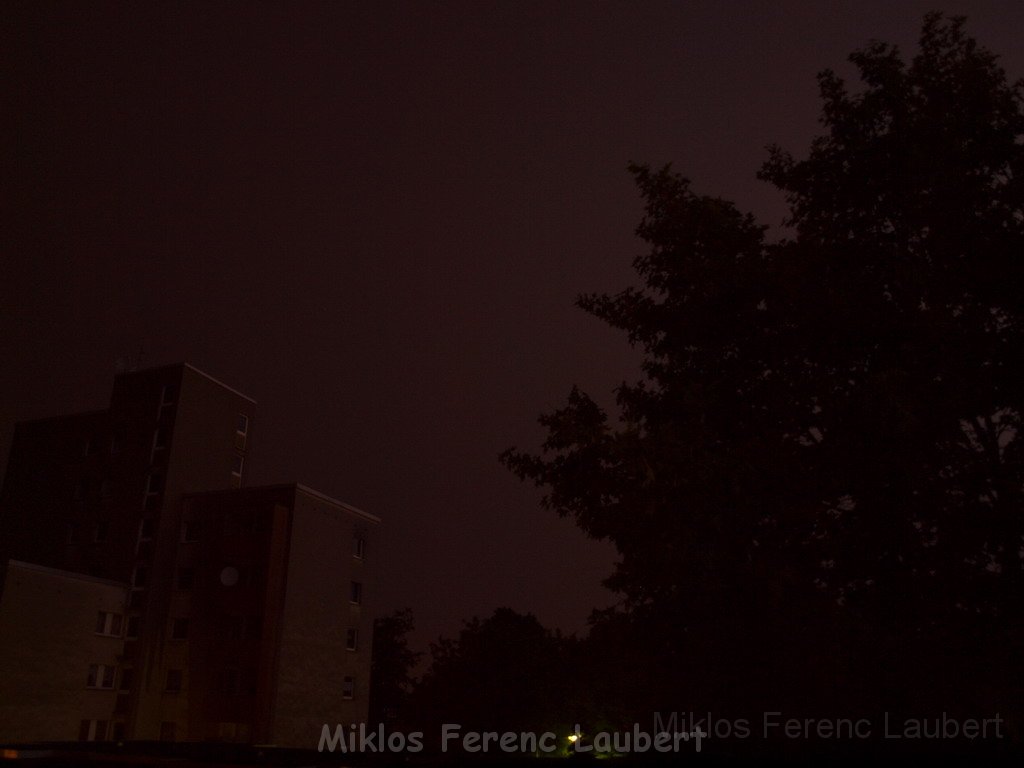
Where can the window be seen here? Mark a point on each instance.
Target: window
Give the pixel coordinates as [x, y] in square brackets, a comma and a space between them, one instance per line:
[243, 425]
[154, 484]
[141, 576]
[166, 731]
[358, 547]
[174, 677]
[236, 468]
[356, 596]
[82, 490]
[131, 627]
[190, 530]
[92, 730]
[127, 676]
[74, 534]
[352, 639]
[108, 623]
[100, 531]
[106, 490]
[100, 676]
[147, 528]
[186, 578]
[117, 733]
[169, 394]
[137, 599]
[179, 629]
[160, 439]
[90, 447]
[348, 687]
[116, 441]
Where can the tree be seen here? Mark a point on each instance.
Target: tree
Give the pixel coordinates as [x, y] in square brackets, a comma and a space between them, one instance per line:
[833, 419]
[392, 665]
[506, 672]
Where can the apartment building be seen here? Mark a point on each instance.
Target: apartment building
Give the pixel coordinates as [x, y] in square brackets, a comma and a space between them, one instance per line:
[247, 611]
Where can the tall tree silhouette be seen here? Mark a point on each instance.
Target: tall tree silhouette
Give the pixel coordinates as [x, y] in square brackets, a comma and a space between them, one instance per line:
[392, 666]
[831, 421]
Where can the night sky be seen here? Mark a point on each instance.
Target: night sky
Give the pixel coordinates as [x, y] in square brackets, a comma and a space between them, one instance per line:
[374, 219]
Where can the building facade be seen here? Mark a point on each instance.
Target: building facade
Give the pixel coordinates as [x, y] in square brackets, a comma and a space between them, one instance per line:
[246, 614]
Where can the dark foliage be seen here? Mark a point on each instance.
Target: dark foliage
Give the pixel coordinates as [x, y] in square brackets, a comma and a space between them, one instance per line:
[506, 672]
[392, 666]
[816, 487]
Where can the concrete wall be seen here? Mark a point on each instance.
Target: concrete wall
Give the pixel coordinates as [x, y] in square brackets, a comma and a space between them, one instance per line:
[312, 659]
[203, 444]
[47, 642]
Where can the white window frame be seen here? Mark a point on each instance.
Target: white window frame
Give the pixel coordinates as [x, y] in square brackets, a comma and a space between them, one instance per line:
[100, 674]
[110, 619]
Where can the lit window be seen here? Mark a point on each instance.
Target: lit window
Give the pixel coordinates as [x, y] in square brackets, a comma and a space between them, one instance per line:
[179, 629]
[174, 678]
[352, 639]
[356, 596]
[348, 687]
[359, 547]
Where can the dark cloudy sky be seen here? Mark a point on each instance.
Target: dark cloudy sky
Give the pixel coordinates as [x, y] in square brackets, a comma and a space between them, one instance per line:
[374, 218]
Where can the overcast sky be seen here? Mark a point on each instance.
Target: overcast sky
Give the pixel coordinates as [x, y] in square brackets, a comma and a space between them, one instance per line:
[374, 219]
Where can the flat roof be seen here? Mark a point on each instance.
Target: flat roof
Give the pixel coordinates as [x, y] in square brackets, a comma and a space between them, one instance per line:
[219, 383]
[65, 574]
[324, 497]
[295, 488]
